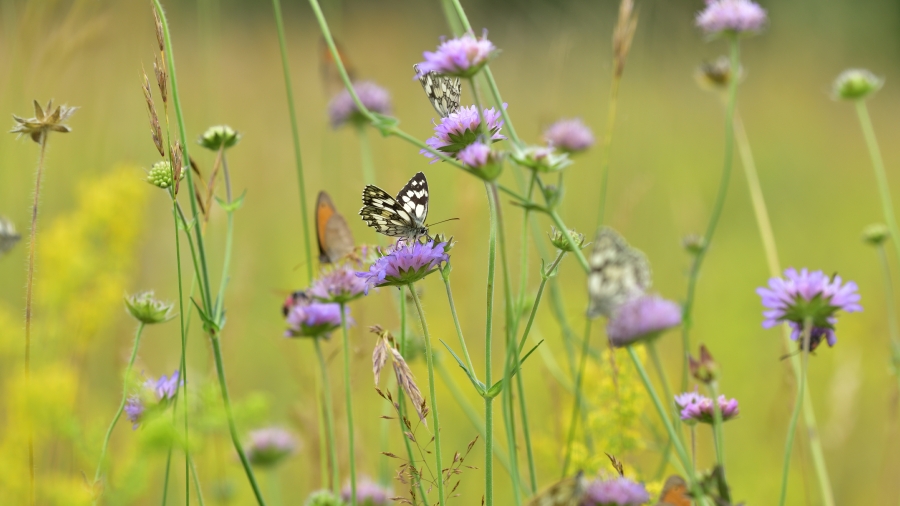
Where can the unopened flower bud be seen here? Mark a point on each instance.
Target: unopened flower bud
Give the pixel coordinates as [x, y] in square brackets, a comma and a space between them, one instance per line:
[875, 234]
[146, 309]
[542, 159]
[219, 137]
[161, 174]
[693, 244]
[558, 239]
[552, 194]
[705, 369]
[716, 75]
[855, 84]
[448, 241]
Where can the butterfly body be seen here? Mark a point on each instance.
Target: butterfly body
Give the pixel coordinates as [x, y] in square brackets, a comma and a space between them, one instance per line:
[568, 492]
[443, 92]
[618, 274]
[401, 216]
[332, 232]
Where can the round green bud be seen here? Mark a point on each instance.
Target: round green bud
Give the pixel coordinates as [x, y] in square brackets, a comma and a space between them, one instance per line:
[875, 234]
[562, 243]
[323, 498]
[219, 137]
[693, 244]
[146, 309]
[542, 159]
[161, 174]
[856, 84]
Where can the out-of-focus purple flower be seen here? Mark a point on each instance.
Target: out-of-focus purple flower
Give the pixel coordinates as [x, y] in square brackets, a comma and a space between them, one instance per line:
[699, 408]
[134, 408]
[405, 264]
[462, 128]
[342, 108]
[460, 57]
[368, 493]
[315, 319]
[615, 492]
[808, 295]
[270, 446]
[341, 285]
[569, 135]
[641, 318]
[165, 387]
[731, 16]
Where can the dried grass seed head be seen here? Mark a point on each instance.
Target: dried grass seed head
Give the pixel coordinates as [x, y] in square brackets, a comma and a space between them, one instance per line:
[45, 120]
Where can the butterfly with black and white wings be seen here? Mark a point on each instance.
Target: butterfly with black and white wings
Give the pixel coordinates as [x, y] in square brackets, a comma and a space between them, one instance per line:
[443, 92]
[403, 216]
[568, 492]
[618, 274]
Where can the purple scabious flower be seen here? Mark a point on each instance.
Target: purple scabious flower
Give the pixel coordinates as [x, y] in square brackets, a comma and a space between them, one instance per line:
[342, 109]
[641, 318]
[485, 163]
[405, 264]
[699, 408]
[165, 387]
[340, 285]
[462, 128]
[569, 135]
[270, 446]
[314, 319]
[134, 408]
[615, 492]
[808, 295]
[731, 16]
[460, 57]
[368, 493]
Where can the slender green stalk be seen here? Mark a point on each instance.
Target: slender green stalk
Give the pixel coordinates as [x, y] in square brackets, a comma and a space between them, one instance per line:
[28, 296]
[450, 15]
[196, 480]
[348, 398]
[229, 241]
[459, 334]
[295, 134]
[134, 350]
[807, 330]
[537, 299]
[329, 414]
[717, 209]
[323, 436]
[891, 300]
[166, 477]
[576, 406]
[176, 213]
[717, 425]
[365, 151]
[667, 391]
[488, 377]
[232, 428]
[576, 250]
[607, 144]
[402, 348]
[429, 355]
[523, 260]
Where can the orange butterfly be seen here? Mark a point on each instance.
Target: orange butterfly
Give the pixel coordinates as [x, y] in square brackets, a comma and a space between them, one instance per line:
[332, 232]
[674, 493]
[331, 77]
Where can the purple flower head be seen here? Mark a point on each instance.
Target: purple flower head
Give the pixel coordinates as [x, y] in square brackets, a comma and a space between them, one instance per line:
[341, 285]
[615, 492]
[808, 295]
[314, 319]
[134, 408]
[462, 128]
[368, 493]
[270, 446]
[478, 156]
[569, 135]
[405, 264]
[699, 408]
[342, 108]
[165, 388]
[642, 318]
[460, 57]
[731, 16]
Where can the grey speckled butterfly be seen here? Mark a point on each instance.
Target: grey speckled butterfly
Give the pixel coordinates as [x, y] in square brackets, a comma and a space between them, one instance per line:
[8, 235]
[619, 273]
[443, 92]
[568, 492]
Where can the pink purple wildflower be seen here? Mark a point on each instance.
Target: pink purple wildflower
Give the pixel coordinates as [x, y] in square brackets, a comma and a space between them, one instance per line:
[731, 16]
[569, 135]
[340, 285]
[165, 387]
[314, 319]
[460, 57]
[342, 109]
[640, 318]
[134, 409]
[699, 408]
[615, 492]
[808, 295]
[368, 493]
[462, 128]
[270, 446]
[405, 264]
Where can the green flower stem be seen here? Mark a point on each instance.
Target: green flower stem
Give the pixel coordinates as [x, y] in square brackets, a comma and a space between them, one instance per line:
[232, 428]
[537, 298]
[402, 349]
[229, 243]
[459, 334]
[452, 19]
[891, 300]
[717, 425]
[295, 133]
[664, 415]
[323, 435]
[134, 350]
[365, 151]
[488, 377]
[576, 250]
[523, 260]
[792, 426]
[768, 239]
[166, 477]
[667, 391]
[429, 355]
[196, 479]
[717, 209]
[182, 326]
[576, 406]
[348, 397]
[607, 144]
[329, 417]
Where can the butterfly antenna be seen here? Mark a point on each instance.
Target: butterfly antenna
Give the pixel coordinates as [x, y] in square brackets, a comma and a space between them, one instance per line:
[442, 221]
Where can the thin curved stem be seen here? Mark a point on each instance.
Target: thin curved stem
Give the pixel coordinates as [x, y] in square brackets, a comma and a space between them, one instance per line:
[196, 479]
[402, 349]
[429, 355]
[229, 242]
[134, 351]
[295, 136]
[488, 378]
[348, 398]
[365, 151]
[459, 333]
[792, 426]
[717, 426]
[329, 416]
[891, 302]
[576, 406]
[607, 145]
[166, 477]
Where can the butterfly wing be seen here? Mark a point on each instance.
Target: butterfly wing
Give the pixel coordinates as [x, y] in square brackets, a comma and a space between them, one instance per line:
[674, 492]
[414, 199]
[332, 232]
[443, 92]
[8, 235]
[331, 76]
[568, 492]
[383, 213]
[618, 273]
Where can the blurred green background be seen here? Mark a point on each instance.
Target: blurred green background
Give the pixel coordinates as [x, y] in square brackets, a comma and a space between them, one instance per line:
[103, 233]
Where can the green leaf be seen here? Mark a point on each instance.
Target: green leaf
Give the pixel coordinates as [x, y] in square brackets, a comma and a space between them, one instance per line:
[497, 387]
[479, 386]
[384, 124]
[234, 205]
[208, 325]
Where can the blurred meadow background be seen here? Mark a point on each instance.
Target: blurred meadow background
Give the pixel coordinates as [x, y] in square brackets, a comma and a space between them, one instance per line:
[104, 233]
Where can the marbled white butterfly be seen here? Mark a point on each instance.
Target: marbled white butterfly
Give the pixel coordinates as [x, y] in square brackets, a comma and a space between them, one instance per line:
[619, 273]
[8, 235]
[403, 216]
[443, 92]
[568, 492]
